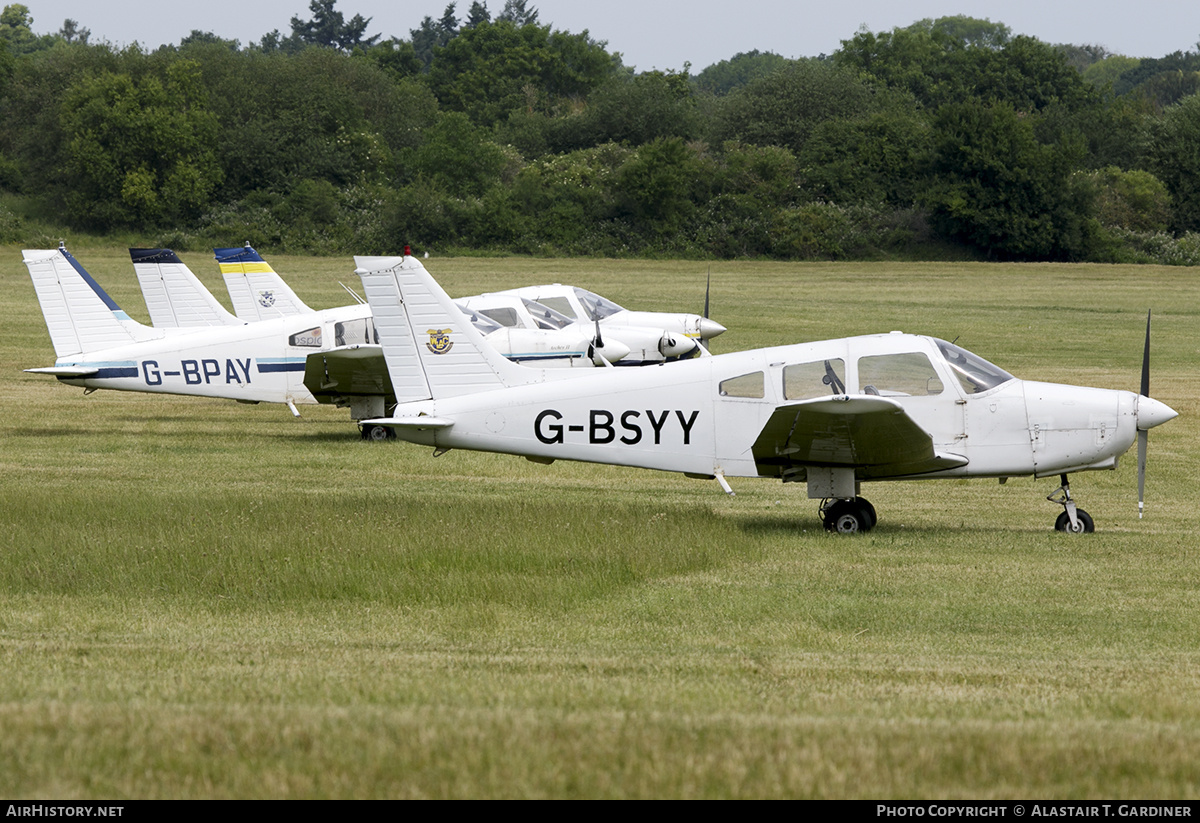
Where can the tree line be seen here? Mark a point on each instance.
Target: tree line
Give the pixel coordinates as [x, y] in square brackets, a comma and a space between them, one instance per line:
[947, 138]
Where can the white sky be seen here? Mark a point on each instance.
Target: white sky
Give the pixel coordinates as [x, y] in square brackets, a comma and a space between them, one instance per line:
[663, 34]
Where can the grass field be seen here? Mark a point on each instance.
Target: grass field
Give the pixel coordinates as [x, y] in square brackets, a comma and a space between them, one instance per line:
[200, 599]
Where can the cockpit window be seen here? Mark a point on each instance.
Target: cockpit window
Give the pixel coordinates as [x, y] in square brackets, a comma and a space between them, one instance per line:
[503, 316]
[973, 372]
[546, 317]
[559, 304]
[597, 307]
[485, 325]
[908, 374]
[310, 339]
[355, 332]
[822, 378]
[745, 385]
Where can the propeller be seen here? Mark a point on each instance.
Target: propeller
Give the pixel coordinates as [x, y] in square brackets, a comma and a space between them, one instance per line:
[1150, 413]
[597, 345]
[708, 328]
[1143, 434]
[707, 287]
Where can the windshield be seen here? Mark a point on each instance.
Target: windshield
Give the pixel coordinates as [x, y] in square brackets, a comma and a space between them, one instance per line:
[973, 372]
[546, 317]
[486, 325]
[597, 307]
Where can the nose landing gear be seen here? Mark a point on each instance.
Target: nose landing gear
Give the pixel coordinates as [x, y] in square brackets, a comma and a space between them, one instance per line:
[1073, 519]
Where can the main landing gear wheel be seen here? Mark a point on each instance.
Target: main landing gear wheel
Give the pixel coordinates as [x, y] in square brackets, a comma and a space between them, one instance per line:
[378, 433]
[1085, 524]
[855, 516]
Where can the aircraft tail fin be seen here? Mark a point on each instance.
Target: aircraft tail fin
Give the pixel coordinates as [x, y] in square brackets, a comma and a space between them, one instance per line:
[80, 315]
[174, 296]
[257, 292]
[431, 348]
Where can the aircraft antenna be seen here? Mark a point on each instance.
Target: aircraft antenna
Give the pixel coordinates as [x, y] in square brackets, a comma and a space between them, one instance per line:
[352, 292]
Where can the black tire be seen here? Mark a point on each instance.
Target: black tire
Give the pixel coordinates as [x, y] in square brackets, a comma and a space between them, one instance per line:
[872, 517]
[849, 517]
[1086, 525]
[377, 433]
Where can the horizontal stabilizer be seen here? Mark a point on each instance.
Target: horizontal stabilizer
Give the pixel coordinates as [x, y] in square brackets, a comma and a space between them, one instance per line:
[66, 371]
[411, 422]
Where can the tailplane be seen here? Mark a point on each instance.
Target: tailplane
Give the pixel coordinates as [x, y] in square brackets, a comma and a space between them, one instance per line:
[431, 348]
[257, 292]
[80, 315]
[174, 296]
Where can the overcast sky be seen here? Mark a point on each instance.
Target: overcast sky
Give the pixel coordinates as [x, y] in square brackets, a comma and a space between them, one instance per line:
[663, 34]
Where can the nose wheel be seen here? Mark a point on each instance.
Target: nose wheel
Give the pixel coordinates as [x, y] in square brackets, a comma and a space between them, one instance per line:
[855, 516]
[1073, 519]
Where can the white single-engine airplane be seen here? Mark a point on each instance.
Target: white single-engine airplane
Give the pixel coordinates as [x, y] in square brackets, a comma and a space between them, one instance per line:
[832, 414]
[98, 346]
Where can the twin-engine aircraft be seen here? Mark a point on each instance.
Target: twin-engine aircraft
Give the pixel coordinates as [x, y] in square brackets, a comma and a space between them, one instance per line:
[832, 414]
[582, 305]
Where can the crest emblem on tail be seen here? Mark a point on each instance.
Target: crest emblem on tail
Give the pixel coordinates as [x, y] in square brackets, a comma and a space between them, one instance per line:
[439, 341]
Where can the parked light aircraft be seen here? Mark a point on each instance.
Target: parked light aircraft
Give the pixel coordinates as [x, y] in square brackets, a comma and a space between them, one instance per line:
[258, 292]
[198, 348]
[583, 305]
[171, 291]
[98, 346]
[354, 375]
[832, 414]
[647, 344]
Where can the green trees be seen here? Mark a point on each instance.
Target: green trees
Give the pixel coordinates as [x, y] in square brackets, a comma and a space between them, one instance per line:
[329, 27]
[784, 107]
[994, 185]
[494, 69]
[1174, 157]
[138, 151]
[493, 131]
[737, 71]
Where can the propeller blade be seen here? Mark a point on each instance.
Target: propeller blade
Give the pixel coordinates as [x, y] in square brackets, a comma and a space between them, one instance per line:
[707, 286]
[1144, 434]
[1143, 440]
[1145, 392]
[599, 341]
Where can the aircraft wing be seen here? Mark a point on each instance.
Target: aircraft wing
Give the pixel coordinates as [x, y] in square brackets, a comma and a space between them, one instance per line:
[873, 435]
[348, 371]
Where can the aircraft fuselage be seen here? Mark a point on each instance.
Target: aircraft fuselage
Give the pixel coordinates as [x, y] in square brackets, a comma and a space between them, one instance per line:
[707, 417]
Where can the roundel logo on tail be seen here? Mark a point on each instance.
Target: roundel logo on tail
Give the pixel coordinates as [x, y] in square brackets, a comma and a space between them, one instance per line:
[439, 341]
[266, 299]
